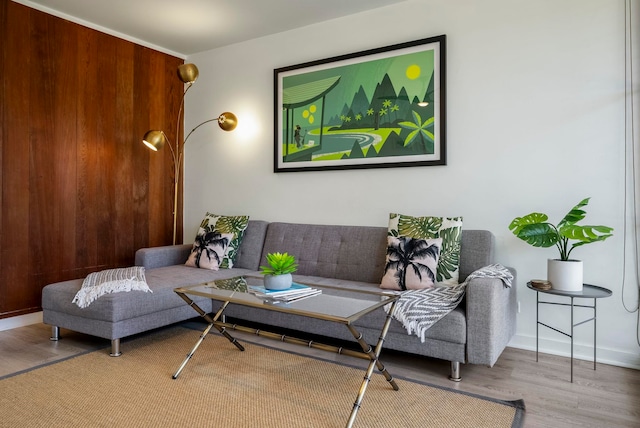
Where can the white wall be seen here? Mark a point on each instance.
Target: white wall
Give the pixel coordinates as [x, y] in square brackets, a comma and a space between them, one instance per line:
[535, 122]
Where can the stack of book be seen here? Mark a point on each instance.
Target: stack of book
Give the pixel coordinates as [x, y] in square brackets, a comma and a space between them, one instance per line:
[288, 295]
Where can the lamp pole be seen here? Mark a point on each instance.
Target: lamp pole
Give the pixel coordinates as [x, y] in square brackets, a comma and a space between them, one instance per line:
[177, 162]
[155, 140]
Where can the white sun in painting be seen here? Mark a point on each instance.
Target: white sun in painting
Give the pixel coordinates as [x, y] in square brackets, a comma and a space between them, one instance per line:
[413, 71]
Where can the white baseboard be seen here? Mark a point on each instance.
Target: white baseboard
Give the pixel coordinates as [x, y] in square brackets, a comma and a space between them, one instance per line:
[580, 351]
[20, 321]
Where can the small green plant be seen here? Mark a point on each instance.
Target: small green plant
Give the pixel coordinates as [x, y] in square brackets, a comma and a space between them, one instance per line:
[279, 264]
[537, 231]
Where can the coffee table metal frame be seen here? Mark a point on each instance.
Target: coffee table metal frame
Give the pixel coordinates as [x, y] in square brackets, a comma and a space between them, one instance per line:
[246, 299]
[588, 292]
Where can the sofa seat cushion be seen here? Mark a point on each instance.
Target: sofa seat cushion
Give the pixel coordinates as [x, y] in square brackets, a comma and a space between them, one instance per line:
[128, 305]
[451, 328]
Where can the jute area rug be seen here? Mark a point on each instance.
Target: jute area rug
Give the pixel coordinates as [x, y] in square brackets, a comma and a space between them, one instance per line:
[223, 387]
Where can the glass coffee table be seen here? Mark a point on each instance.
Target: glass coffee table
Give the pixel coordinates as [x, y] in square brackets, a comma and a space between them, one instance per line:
[339, 305]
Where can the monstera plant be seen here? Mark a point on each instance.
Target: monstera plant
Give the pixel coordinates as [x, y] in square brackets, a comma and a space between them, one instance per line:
[563, 273]
[536, 230]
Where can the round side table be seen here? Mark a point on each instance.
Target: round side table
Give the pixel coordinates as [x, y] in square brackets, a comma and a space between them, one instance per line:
[588, 292]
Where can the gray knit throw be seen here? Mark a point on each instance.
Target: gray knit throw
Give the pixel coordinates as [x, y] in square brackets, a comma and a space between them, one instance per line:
[418, 310]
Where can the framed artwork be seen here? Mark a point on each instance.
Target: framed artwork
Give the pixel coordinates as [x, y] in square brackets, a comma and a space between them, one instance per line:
[378, 108]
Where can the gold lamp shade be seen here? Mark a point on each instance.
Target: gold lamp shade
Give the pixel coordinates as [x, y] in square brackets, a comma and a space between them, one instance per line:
[154, 140]
[227, 121]
[188, 73]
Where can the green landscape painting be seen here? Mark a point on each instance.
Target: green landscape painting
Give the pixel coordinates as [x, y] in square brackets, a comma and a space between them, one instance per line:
[378, 108]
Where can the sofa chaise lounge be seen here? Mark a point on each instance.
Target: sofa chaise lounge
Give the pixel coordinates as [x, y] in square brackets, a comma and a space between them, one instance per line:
[476, 332]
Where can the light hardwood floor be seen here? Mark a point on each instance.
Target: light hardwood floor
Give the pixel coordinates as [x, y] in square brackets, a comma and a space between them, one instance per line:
[606, 397]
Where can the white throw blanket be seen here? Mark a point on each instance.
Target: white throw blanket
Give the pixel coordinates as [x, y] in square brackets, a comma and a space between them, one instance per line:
[418, 310]
[110, 281]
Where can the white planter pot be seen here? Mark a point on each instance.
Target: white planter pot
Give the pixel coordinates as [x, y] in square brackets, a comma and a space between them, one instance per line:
[565, 275]
[278, 282]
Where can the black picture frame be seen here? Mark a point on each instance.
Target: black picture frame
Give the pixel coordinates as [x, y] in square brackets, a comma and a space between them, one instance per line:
[379, 108]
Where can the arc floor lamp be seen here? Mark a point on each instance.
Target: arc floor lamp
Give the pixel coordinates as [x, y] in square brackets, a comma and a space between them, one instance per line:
[155, 140]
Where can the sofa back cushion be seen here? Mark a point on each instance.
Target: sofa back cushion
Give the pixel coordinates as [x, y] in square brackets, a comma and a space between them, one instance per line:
[251, 247]
[477, 250]
[356, 253]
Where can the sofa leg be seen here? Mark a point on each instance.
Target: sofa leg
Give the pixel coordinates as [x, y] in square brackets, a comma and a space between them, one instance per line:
[55, 333]
[115, 348]
[455, 371]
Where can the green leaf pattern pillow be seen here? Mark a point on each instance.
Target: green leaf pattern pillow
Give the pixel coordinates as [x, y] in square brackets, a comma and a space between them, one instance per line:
[227, 224]
[447, 228]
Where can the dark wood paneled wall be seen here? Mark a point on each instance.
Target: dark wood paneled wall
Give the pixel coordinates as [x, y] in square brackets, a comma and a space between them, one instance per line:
[80, 192]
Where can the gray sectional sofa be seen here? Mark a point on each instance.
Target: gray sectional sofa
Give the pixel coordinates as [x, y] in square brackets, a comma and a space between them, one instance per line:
[476, 332]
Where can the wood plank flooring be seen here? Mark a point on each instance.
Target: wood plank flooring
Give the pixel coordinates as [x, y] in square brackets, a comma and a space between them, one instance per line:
[607, 397]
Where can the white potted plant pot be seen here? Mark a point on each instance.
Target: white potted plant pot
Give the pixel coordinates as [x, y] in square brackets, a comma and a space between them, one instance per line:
[565, 275]
[278, 282]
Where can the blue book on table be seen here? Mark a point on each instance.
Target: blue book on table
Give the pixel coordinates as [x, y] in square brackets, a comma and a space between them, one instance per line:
[294, 288]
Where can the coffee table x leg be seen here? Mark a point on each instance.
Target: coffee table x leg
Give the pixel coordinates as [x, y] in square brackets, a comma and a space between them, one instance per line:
[374, 360]
[212, 323]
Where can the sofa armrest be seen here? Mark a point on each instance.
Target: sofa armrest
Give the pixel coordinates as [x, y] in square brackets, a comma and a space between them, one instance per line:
[168, 255]
[491, 318]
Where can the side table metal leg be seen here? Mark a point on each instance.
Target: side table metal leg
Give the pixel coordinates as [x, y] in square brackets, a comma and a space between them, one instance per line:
[571, 340]
[537, 321]
[594, 333]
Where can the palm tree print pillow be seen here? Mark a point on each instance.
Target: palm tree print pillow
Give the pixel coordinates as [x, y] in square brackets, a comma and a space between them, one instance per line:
[447, 228]
[209, 249]
[227, 224]
[411, 263]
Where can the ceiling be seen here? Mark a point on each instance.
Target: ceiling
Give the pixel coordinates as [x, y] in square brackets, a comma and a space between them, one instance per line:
[185, 27]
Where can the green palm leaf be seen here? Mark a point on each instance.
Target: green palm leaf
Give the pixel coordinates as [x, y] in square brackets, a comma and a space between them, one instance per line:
[419, 227]
[575, 215]
[411, 137]
[418, 128]
[519, 222]
[539, 235]
[450, 253]
[586, 234]
[408, 125]
[231, 224]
